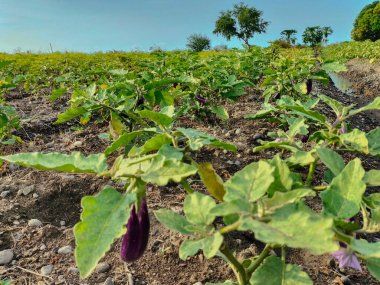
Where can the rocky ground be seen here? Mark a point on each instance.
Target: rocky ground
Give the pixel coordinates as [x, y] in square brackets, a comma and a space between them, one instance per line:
[39, 209]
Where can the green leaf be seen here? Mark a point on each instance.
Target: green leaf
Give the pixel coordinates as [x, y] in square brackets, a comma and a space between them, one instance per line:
[282, 180]
[272, 272]
[116, 124]
[170, 170]
[198, 139]
[228, 282]
[279, 145]
[374, 105]
[57, 93]
[374, 141]
[158, 118]
[372, 178]
[250, 183]
[155, 143]
[296, 127]
[368, 250]
[197, 208]
[355, 139]
[295, 226]
[209, 245]
[220, 112]
[333, 104]
[331, 159]
[122, 141]
[301, 158]
[74, 162]
[344, 195]
[103, 220]
[281, 199]
[211, 180]
[373, 265]
[69, 114]
[312, 115]
[301, 88]
[172, 221]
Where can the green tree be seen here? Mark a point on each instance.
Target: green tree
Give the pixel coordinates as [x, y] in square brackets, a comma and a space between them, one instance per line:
[313, 36]
[326, 32]
[367, 24]
[197, 42]
[241, 22]
[289, 36]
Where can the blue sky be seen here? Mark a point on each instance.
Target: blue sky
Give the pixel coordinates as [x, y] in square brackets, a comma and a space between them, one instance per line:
[102, 25]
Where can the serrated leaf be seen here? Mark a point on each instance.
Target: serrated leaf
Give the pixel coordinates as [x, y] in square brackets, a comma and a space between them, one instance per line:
[172, 221]
[282, 180]
[331, 159]
[155, 143]
[373, 265]
[296, 127]
[374, 105]
[272, 272]
[197, 208]
[333, 104]
[69, 114]
[301, 158]
[158, 118]
[169, 171]
[220, 112]
[209, 245]
[355, 139]
[313, 115]
[368, 250]
[373, 138]
[281, 199]
[57, 93]
[344, 195]
[198, 139]
[103, 220]
[295, 226]
[212, 180]
[74, 162]
[250, 183]
[372, 178]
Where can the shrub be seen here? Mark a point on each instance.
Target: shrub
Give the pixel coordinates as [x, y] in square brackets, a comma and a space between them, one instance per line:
[367, 24]
[197, 42]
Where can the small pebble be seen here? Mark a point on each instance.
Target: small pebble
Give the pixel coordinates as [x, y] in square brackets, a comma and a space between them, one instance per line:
[65, 249]
[62, 223]
[73, 270]
[34, 223]
[230, 162]
[6, 256]
[77, 144]
[198, 283]
[26, 190]
[238, 131]
[16, 223]
[4, 194]
[346, 280]
[35, 195]
[42, 247]
[47, 269]
[102, 267]
[108, 281]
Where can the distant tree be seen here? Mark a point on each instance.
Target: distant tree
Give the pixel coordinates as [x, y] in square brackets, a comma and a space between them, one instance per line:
[197, 42]
[313, 36]
[241, 22]
[220, 48]
[289, 36]
[280, 43]
[367, 24]
[326, 32]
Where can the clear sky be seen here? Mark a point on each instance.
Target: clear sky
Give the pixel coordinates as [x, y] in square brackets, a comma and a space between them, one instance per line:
[102, 25]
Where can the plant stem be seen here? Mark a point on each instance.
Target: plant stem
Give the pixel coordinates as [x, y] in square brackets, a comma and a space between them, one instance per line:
[259, 260]
[310, 175]
[342, 237]
[320, 188]
[229, 228]
[237, 267]
[187, 186]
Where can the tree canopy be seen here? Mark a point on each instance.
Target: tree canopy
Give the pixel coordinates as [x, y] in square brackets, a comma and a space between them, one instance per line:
[242, 22]
[289, 36]
[367, 24]
[197, 42]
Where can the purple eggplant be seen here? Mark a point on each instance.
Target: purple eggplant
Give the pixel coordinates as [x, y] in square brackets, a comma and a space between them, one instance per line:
[136, 239]
[200, 99]
[304, 138]
[309, 86]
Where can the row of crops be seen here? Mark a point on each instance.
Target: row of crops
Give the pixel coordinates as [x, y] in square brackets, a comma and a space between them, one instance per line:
[142, 96]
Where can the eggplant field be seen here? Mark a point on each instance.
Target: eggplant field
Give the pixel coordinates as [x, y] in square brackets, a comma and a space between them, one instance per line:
[247, 162]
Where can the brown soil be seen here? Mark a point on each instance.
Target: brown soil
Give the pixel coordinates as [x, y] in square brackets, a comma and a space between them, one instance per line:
[364, 76]
[58, 199]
